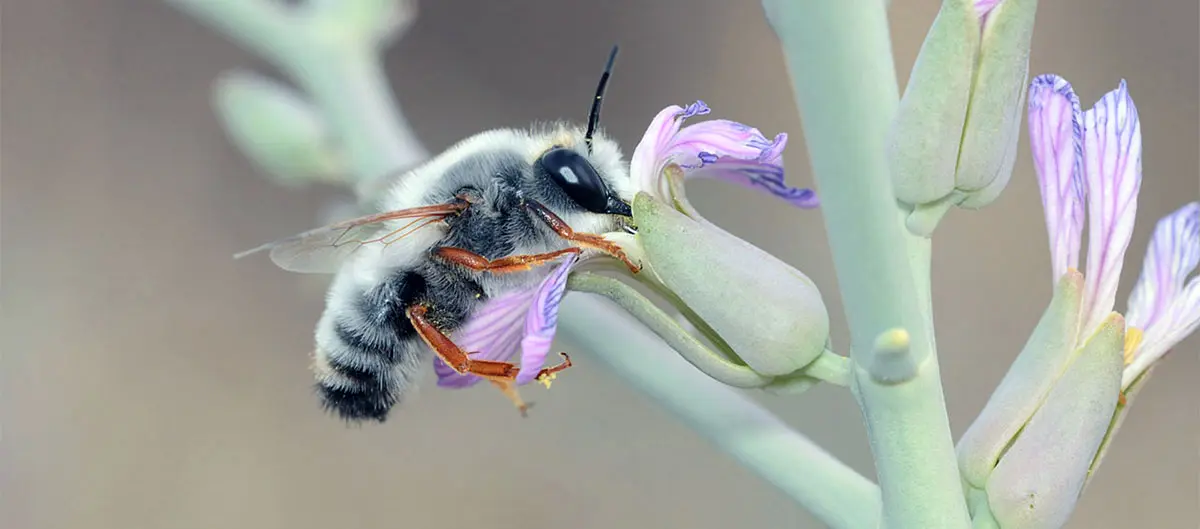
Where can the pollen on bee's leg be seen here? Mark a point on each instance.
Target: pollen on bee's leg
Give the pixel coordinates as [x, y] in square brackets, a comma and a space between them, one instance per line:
[547, 375]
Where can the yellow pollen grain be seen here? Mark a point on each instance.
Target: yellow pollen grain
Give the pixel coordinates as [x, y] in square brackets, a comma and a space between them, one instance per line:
[1133, 339]
[547, 379]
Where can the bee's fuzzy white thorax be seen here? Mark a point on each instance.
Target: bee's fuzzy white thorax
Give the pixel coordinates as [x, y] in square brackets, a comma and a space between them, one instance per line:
[413, 188]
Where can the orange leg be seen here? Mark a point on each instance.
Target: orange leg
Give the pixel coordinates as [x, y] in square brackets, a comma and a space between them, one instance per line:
[589, 240]
[515, 263]
[500, 374]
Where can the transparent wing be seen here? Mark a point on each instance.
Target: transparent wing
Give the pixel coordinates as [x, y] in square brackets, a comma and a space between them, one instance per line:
[322, 250]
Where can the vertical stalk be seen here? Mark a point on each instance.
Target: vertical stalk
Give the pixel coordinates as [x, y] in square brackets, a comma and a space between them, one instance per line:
[840, 60]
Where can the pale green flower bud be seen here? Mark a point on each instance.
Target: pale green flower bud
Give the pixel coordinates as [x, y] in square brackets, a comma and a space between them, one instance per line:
[1031, 377]
[1040, 478]
[276, 128]
[954, 138]
[767, 312]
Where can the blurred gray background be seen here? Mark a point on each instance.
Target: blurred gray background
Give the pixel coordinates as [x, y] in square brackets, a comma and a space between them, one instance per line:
[150, 381]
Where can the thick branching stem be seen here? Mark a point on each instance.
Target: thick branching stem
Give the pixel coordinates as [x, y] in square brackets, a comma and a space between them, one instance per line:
[833, 492]
[840, 60]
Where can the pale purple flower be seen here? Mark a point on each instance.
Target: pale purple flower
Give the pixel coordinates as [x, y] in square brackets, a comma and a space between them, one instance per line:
[1164, 307]
[717, 148]
[1090, 161]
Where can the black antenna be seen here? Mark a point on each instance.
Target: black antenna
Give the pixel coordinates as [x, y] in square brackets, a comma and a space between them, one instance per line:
[594, 115]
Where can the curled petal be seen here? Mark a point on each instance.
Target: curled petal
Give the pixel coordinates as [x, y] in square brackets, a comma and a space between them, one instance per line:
[1112, 166]
[1173, 253]
[542, 321]
[720, 148]
[1056, 141]
[649, 156]
[761, 176]
[703, 143]
[738, 153]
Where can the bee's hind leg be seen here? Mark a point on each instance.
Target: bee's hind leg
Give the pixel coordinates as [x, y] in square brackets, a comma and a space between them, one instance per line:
[503, 375]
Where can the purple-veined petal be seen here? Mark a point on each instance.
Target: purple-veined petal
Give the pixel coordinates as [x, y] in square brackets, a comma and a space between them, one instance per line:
[542, 321]
[1173, 253]
[1184, 317]
[1056, 140]
[493, 333]
[1112, 166]
[1161, 304]
[732, 151]
[703, 142]
[1178, 321]
[760, 176]
[649, 156]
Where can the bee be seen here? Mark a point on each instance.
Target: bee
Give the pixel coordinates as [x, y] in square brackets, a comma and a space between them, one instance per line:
[457, 240]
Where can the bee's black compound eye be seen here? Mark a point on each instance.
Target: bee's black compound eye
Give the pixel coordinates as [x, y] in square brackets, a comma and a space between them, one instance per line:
[576, 176]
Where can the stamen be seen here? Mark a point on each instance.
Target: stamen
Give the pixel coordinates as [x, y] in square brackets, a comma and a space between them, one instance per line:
[1133, 340]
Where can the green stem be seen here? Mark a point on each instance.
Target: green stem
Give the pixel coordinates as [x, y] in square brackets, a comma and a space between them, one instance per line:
[840, 59]
[340, 72]
[829, 366]
[688, 346]
[834, 493]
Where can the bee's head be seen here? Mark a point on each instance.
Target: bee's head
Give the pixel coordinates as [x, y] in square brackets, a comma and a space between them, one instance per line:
[582, 182]
[577, 173]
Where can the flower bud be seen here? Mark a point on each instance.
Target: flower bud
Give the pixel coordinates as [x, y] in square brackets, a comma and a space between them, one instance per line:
[773, 319]
[1041, 476]
[954, 138]
[993, 126]
[1025, 386]
[275, 128]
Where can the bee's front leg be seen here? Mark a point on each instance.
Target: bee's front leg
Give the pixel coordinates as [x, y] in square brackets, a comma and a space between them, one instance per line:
[501, 374]
[589, 240]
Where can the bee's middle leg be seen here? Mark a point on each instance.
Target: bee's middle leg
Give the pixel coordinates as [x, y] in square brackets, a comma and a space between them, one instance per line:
[501, 374]
[512, 263]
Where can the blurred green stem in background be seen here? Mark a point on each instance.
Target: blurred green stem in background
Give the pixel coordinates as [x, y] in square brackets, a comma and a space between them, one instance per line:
[840, 59]
[331, 51]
